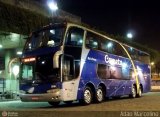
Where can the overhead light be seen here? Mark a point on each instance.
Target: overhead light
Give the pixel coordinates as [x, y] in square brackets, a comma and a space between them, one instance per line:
[129, 35]
[15, 70]
[14, 37]
[52, 5]
[19, 52]
[152, 63]
[1, 46]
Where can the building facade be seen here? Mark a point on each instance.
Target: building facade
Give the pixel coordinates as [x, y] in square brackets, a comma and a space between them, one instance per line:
[18, 18]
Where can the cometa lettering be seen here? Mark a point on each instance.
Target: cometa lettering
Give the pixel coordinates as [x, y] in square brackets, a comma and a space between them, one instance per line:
[112, 61]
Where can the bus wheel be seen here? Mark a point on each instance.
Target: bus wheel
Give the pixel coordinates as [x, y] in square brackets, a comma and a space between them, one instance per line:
[139, 93]
[55, 104]
[133, 92]
[87, 96]
[99, 94]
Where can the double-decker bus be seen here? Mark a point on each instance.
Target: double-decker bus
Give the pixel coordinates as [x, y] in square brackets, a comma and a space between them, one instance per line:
[68, 62]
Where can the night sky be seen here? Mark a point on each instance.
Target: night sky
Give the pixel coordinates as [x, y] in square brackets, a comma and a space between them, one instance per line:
[120, 16]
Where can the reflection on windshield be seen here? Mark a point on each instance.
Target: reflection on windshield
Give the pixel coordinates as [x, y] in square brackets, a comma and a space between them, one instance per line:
[27, 72]
[45, 38]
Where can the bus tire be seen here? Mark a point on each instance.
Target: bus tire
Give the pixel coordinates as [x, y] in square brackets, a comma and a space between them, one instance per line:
[99, 95]
[55, 104]
[139, 93]
[87, 96]
[133, 92]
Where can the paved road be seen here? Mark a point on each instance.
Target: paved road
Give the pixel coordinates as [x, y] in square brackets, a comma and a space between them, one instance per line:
[148, 102]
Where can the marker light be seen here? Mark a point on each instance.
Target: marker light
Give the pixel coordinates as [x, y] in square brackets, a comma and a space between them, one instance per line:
[29, 60]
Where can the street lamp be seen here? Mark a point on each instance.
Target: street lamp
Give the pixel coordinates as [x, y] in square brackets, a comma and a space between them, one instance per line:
[152, 63]
[52, 6]
[129, 35]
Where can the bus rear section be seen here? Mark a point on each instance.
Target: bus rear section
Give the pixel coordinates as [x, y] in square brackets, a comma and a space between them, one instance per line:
[112, 69]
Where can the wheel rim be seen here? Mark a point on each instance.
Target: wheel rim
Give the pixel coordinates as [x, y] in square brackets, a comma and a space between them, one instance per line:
[140, 92]
[87, 96]
[134, 91]
[99, 95]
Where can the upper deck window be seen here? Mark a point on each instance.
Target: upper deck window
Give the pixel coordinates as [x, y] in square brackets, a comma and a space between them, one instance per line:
[75, 37]
[97, 42]
[46, 37]
[138, 55]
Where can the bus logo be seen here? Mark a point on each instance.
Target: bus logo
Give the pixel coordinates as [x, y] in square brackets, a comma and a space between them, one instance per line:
[113, 61]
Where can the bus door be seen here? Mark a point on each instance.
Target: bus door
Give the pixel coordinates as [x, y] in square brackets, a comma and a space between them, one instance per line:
[71, 63]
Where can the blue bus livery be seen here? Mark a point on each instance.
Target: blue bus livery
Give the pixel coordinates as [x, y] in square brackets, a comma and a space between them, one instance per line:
[68, 62]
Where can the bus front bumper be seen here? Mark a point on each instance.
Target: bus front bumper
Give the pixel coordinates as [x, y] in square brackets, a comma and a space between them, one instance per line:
[45, 97]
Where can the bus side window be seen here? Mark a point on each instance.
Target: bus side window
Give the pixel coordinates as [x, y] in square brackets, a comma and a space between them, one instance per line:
[143, 57]
[107, 46]
[132, 52]
[103, 71]
[91, 41]
[73, 49]
[75, 37]
[119, 50]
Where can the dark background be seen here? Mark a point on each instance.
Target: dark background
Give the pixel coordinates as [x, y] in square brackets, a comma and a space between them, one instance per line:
[141, 17]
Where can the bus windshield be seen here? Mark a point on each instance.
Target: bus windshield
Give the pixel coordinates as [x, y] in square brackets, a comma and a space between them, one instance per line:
[39, 69]
[27, 71]
[47, 37]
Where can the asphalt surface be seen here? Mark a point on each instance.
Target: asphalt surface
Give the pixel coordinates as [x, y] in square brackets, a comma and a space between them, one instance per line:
[148, 102]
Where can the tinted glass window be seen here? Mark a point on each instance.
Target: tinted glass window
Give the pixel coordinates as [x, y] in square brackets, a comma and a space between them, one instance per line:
[27, 71]
[97, 42]
[108, 46]
[92, 41]
[112, 72]
[47, 37]
[138, 55]
[103, 71]
[75, 37]
[133, 52]
[73, 48]
[112, 47]
[143, 57]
